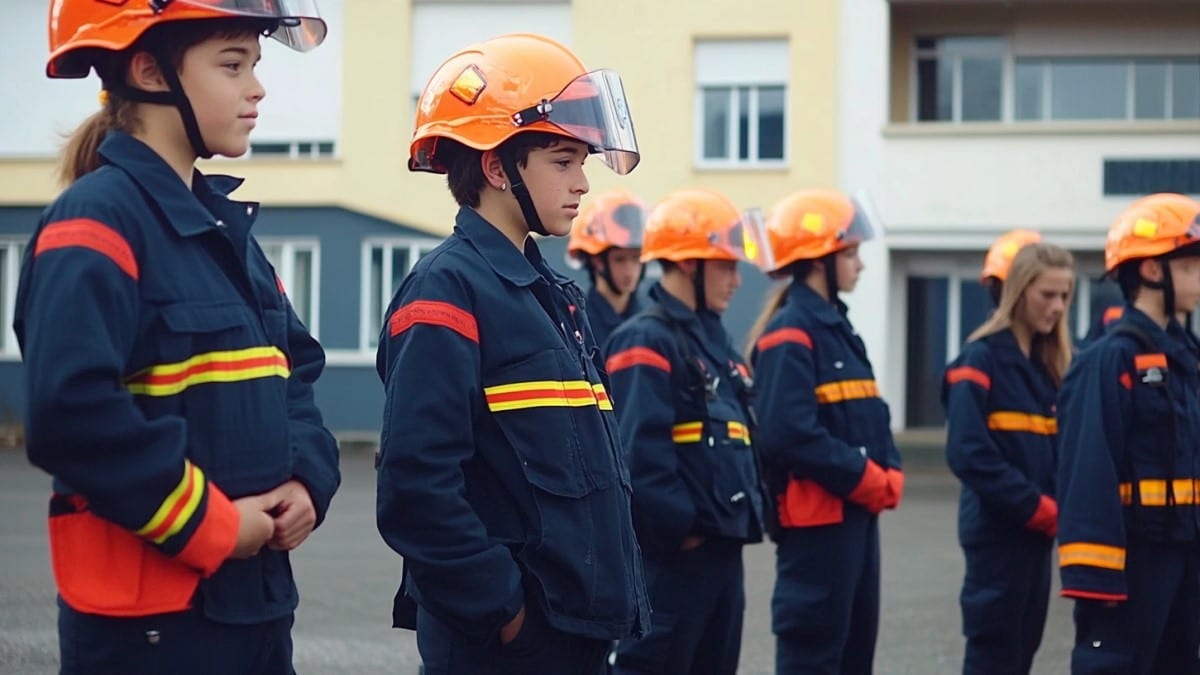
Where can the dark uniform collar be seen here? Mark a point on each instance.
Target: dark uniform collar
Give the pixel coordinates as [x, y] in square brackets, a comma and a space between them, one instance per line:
[598, 303]
[188, 212]
[826, 312]
[1174, 341]
[674, 308]
[504, 258]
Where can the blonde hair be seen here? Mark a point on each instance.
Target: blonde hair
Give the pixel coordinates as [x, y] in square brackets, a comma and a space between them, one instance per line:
[774, 300]
[1054, 349]
[81, 153]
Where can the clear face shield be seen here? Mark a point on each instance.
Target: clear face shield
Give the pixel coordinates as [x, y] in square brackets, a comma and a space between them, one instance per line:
[746, 240]
[860, 228]
[592, 109]
[300, 24]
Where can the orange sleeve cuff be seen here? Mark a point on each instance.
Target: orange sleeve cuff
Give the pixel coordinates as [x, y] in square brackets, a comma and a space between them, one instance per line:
[1103, 597]
[1045, 518]
[215, 538]
[872, 489]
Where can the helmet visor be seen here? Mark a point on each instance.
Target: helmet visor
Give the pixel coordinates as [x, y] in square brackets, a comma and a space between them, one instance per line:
[860, 228]
[300, 24]
[746, 240]
[623, 226]
[592, 109]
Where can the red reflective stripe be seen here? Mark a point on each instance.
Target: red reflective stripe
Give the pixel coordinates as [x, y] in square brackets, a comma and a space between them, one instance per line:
[434, 314]
[279, 285]
[1088, 595]
[1148, 361]
[179, 505]
[88, 233]
[778, 337]
[637, 356]
[968, 374]
[213, 366]
[1112, 314]
[1126, 381]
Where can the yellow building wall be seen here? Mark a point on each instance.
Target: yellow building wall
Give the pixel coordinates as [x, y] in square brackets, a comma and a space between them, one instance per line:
[650, 43]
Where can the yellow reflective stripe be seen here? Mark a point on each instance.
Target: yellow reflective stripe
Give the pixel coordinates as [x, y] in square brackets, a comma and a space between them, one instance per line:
[541, 394]
[1092, 555]
[178, 508]
[738, 432]
[846, 390]
[687, 432]
[1007, 420]
[1153, 492]
[222, 366]
[602, 399]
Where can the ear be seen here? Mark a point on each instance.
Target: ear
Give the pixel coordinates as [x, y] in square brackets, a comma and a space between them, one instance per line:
[1151, 269]
[688, 267]
[144, 73]
[493, 170]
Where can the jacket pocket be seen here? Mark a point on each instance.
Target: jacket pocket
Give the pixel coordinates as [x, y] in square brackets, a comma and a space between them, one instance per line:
[807, 504]
[102, 568]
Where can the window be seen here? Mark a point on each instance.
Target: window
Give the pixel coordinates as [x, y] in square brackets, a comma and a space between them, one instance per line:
[741, 102]
[1107, 89]
[959, 79]
[10, 268]
[298, 265]
[292, 149]
[385, 266]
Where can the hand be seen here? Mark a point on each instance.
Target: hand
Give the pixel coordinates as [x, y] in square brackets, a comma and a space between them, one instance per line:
[1045, 518]
[295, 516]
[691, 543]
[255, 526]
[510, 630]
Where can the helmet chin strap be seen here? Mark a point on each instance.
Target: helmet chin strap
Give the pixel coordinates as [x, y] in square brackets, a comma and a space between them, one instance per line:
[521, 192]
[1167, 286]
[174, 96]
[831, 281]
[698, 287]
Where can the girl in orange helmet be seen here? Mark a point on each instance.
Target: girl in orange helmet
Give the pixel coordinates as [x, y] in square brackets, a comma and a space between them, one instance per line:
[1001, 443]
[826, 440]
[606, 239]
[501, 480]
[1129, 464]
[169, 382]
[999, 259]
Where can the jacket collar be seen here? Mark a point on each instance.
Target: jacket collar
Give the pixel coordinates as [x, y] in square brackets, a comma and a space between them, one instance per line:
[826, 312]
[505, 260]
[673, 306]
[187, 211]
[1173, 341]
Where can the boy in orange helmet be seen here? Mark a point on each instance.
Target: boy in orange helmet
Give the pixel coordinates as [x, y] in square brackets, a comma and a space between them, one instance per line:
[501, 477]
[1129, 429]
[606, 239]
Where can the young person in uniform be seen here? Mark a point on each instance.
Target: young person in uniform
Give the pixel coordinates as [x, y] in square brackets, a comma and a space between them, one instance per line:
[606, 240]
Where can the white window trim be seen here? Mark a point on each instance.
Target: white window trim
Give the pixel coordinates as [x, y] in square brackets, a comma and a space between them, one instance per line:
[1044, 63]
[1007, 80]
[732, 163]
[289, 246]
[415, 246]
[12, 274]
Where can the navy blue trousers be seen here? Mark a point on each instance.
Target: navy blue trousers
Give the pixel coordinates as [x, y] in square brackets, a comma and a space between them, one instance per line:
[180, 643]
[538, 648]
[1157, 630]
[1005, 595]
[825, 609]
[697, 600]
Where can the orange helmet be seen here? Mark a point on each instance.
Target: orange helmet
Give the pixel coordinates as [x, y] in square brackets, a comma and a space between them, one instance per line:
[80, 28]
[1152, 226]
[613, 219]
[698, 224]
[811, 224]
[1000, 256]
[489, 92]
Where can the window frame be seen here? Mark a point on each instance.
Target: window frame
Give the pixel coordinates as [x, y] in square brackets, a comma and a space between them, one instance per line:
[1007, 78]
[417, 247]
[14, 251]
[286, 271]
[742, 80]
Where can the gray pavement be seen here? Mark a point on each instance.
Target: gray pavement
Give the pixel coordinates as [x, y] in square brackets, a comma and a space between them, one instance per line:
[347, 577]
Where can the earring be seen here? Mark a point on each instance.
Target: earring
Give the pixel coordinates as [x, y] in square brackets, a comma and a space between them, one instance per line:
[503, 187]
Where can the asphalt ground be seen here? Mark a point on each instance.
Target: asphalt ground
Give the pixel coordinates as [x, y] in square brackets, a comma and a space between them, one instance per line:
[347, 577]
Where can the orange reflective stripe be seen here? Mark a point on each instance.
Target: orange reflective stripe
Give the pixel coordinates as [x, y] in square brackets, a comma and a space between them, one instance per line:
[1112, 314]
[542, 394]
[846, 390]
[738, 432]
[637, 356]
[1007, 420]
[1092, 555]
[782, 336]
[687, 432]
[236, 365]
[1148, 361]
[432, 313]
[178, 508]
[88, 233]
[1153, 492]
[602, 399]
[968, 374]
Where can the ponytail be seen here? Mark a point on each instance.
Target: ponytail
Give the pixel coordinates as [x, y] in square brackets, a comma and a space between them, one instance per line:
[81, 154]
[775, 299]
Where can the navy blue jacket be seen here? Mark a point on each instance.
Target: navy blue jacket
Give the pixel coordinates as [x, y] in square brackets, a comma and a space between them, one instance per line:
[1116, 461]
[604, 319]
[165, 370]
[1001, 437]
[694, 470]
[820, 415]
[500, 461]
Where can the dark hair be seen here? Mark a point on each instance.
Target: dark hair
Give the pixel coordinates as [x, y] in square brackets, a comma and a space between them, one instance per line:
[1129, 278]
[80, 155]
[464, 170]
